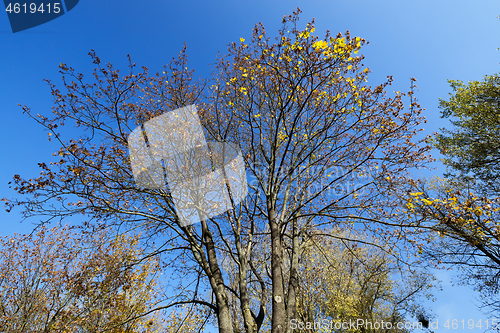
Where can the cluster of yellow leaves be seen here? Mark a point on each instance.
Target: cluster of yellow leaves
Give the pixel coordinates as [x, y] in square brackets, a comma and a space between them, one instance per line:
[339, 46]
[471, 214]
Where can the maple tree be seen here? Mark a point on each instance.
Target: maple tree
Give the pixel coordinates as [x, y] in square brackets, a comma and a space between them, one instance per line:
[321, 148]
[299, 108]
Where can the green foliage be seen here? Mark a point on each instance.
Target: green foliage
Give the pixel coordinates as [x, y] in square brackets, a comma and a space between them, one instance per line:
[473, 146]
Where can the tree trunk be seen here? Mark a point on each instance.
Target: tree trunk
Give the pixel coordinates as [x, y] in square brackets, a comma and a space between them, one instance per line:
[217, 283]
[278, 320]
[294, 281]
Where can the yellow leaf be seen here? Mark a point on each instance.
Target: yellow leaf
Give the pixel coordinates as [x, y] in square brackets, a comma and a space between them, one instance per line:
[321, 44]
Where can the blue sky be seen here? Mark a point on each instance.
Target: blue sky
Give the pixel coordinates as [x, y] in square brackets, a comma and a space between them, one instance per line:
[430, 40]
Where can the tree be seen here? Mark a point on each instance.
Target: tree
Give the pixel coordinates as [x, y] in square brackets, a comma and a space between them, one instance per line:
[465, 232]
[472, 147]
[320, 146]
[60, 281]
[343, 280]
[299, 108]
[462, 209]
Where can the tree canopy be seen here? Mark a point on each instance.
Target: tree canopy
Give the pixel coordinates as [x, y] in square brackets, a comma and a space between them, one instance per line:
[321, 147]
[59, 280]
[472, 147]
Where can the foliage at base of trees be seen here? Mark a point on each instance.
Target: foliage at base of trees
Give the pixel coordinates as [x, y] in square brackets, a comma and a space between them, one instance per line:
[57, 280]
[343, 280]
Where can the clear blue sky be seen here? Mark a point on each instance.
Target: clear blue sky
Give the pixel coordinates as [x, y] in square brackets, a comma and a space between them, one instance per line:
[427, 39]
